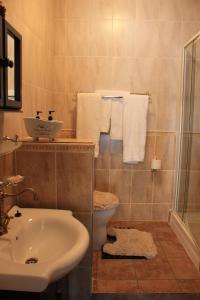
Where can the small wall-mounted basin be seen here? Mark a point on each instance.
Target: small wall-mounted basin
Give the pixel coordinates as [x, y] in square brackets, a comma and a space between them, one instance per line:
[41, 246]
[40, 128]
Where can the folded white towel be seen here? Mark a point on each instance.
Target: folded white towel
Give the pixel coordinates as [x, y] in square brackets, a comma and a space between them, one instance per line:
[112, 113]
[134, 128]
[88, 124]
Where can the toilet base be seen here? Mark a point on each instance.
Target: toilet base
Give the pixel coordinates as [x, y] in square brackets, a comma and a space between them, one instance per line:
[99, 237]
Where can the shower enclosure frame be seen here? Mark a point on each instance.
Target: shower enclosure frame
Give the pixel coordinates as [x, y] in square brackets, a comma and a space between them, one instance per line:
[175, 220]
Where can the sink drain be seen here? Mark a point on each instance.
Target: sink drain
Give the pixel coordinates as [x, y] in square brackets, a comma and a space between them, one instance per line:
[31, 260]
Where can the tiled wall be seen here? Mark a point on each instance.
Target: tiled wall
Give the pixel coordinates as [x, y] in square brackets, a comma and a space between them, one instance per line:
[7, 169]
[135, 45]
[143, 195]
[62, 176]
[34, 20]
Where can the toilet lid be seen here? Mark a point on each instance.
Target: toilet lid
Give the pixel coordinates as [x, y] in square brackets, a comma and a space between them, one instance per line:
[104, 200]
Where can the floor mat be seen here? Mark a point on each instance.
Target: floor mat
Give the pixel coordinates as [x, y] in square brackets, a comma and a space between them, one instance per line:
[130, 243]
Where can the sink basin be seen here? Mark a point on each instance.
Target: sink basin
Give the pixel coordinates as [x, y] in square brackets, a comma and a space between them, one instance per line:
[41, 246]
[40, 128]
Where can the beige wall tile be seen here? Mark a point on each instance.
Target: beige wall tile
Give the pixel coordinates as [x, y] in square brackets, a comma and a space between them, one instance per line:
[81, 9]
[103, 9]
[193, 192]
[163, 187]
[166, 106]
[124, 9]
[38, 168]
[169, 75]
[171, 10]
[190, 10]
[123, 38]
[170, 39]
[81, 70]
[78, 38]
[60, 9]
[102, 180]
[60, 41]
[147, 10]
[123, 212]
[101, 38]
[142, 184]
[145, 81]
[195, 155]
[60, 73]
[160, 212]
[120, 183]
[141, 211]
[121, 73]
[165, 150]
[74, 181]
[146, 39]
[102, 73]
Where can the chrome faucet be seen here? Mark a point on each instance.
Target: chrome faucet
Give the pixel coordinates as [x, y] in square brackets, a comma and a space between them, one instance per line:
[4, 218]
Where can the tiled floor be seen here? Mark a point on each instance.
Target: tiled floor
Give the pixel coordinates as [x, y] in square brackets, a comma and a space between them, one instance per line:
[171, 272]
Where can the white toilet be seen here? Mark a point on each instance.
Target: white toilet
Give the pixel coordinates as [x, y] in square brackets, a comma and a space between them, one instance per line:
[104, 205]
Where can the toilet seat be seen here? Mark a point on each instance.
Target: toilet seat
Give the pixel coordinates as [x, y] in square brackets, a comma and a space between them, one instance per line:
[104, 200]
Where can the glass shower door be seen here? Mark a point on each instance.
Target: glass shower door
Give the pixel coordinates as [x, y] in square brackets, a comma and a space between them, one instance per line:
[192, 208]
[185, 138]
[188, 187]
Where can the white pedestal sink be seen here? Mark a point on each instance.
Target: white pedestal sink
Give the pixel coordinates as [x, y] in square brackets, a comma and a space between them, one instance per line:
[41, 246]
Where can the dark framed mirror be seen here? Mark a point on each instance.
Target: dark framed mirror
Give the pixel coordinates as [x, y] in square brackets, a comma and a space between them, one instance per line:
[12, 67]
[1, 69]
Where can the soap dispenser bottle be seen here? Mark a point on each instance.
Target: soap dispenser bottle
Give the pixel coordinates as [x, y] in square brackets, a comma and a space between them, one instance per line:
[38, 112]
[50, 118]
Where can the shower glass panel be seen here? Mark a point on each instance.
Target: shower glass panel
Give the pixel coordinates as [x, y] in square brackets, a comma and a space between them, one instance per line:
[188, 188]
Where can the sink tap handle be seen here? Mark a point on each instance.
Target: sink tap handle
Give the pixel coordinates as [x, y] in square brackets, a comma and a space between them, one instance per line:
[38, 112]
[50, 118]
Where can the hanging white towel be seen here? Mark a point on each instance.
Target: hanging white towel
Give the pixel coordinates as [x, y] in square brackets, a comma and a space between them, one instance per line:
[88, 124]
[116, 119]
[134, 128]
[105, 115]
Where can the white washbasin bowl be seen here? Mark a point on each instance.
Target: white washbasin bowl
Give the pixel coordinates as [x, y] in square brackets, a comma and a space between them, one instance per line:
[53, 237]
[40, 128]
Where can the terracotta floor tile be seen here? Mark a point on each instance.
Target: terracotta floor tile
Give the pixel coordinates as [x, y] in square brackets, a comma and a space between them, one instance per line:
[166, 236]
[161, 253]
[118, 269]
[183, 268]
[153, 269]
[159, 286]
[173, 249]
[189, 286]
[116, 286]
[171, 271]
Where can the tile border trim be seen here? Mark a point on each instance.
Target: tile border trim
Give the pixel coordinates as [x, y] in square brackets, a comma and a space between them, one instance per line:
[39, 147]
